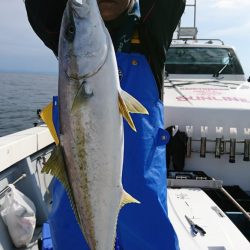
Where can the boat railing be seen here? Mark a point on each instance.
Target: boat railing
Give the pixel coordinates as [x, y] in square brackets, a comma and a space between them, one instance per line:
[195, 41]
[18, 146]
[7, 188]
[22, 156]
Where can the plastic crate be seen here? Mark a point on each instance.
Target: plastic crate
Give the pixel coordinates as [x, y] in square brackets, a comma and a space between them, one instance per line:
[47, 243]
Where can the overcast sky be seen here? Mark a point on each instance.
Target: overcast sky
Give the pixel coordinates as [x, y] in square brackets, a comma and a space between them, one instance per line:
[22, 50]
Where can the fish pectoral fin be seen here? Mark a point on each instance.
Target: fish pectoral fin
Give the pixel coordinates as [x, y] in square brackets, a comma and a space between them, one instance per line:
[128, 104]
[127, 198]
[56, 167]
[46, 116]
[133, 105]
[82, 95]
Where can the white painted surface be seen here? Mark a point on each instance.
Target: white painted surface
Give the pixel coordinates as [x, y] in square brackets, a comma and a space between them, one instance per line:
[221, 233]
[17, 146]
[205, 93]
[212, 106]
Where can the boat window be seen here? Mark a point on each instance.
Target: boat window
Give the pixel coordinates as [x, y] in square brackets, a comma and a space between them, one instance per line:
[194, 60]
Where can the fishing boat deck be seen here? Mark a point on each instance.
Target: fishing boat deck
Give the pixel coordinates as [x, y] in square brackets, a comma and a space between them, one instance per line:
[221, 233]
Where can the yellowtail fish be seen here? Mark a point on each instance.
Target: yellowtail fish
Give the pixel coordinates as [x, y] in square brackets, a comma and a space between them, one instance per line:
[88, 158]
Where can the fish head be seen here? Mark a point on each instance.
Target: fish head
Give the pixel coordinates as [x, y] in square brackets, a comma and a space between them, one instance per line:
[83, 39]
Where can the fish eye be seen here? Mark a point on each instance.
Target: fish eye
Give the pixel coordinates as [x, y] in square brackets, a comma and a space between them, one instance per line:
[71, 29]
[70, 32]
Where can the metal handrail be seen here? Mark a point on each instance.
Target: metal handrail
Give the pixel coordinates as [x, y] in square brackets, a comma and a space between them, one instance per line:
[7, 188]
[209, 40]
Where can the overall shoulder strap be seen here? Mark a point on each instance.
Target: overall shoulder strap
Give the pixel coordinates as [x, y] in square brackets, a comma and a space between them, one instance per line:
[126, 34]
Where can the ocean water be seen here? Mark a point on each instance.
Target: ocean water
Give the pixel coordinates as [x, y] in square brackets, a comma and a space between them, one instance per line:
[21, 94]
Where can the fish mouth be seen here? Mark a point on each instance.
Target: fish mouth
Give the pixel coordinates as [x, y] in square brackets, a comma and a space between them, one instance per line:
[75, 76]
[71, 67]
[74, 70]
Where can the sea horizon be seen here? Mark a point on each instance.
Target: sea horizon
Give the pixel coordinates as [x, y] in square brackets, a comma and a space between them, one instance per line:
[22, 94]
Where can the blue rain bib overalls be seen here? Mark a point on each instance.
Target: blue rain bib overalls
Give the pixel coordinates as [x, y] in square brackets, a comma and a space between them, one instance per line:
[142, 226]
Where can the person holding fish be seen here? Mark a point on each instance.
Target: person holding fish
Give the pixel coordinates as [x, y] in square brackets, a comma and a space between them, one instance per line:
[96, 87]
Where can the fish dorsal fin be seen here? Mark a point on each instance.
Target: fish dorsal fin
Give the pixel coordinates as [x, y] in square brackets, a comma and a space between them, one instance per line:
[128, 104]
[46, 115]
[56, 167]
[127, 198]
